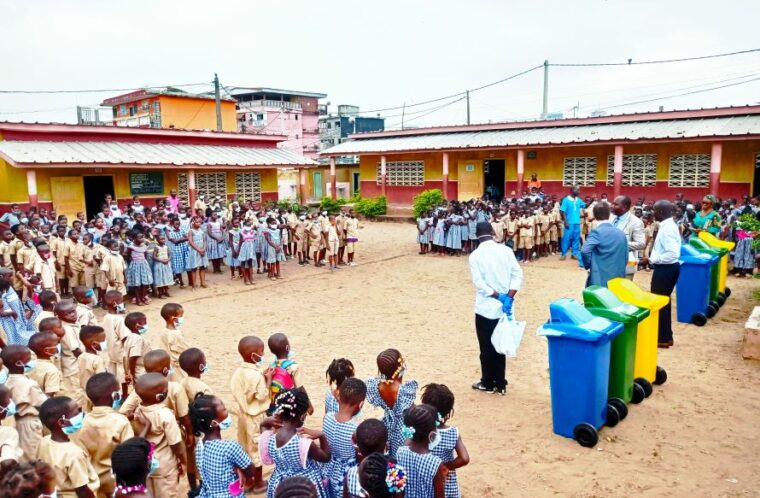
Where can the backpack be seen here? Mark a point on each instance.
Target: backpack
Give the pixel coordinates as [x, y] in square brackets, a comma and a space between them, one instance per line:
[281, 378]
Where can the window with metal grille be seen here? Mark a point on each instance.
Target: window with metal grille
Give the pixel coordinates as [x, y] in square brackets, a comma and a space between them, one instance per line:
[579, 172]
[402, 173]
[639, 170]
[248, 187]
[207, 184]
[689, 170]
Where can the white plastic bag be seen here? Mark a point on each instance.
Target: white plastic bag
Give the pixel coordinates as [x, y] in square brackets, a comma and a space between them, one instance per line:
[507, 336]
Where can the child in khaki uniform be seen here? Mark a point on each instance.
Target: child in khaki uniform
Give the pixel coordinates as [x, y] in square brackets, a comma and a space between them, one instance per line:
[527, 225]
[136, 345]
[250, 392]
[99, 253]
[116, 333]
[104, 428]
[88, 258]
[73, 254]
[93, 360]
[45, 373]
[10, 450]
[74, 474]
[352, 236]
[26, 395]
[84, 299]
[113, 268]
[510, 228]
[66, 312]
[171, 339]
[193, 362]
[164, 433]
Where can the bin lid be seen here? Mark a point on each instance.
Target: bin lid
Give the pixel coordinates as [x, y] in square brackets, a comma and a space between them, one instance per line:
[602, 302]
[692, 255]
[714, 241]
[570, 319]
[630, 293]
[705, 247]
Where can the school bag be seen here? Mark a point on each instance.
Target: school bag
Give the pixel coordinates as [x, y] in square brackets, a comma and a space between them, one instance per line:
[281, 378]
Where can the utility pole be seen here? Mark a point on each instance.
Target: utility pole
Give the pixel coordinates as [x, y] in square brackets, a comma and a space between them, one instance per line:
[218, 103]
[403, 112]
[545, 109]
[467, 92]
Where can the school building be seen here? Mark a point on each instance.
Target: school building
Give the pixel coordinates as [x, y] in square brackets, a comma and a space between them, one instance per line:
[655, 155]
[72, 167]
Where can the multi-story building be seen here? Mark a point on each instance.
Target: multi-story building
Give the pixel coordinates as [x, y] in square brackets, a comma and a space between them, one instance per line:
[170, 108]
[288, 113]
[335, 128]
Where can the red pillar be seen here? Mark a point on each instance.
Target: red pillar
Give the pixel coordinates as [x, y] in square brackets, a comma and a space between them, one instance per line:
[333, 179]
[445, 175]
[382, 175]
[520, 171]
[618, 171]
[191, 192]
[716, 157]
[302, 186]
[31, 186]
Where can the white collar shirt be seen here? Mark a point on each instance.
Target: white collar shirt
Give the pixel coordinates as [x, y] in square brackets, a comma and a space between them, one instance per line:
[494, 268]
[667, 244]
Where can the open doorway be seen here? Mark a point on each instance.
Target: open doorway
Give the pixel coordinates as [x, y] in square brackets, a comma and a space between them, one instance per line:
[95, 190]
[493, 172]
[756, 179]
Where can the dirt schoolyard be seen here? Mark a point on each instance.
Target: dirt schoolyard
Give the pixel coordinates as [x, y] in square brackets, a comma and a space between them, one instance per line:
[697, 435]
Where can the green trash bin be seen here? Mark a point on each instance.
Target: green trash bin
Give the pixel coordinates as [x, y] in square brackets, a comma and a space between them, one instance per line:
[716, 298]
[601, 302]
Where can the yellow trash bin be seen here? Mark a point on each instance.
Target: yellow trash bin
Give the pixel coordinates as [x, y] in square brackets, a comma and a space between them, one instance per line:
[645, 364]
[717, 243]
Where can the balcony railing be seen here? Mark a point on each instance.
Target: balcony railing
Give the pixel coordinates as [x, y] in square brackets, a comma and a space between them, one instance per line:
[277, 104]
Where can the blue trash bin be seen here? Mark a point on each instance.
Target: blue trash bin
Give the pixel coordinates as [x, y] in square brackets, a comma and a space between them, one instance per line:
[693, 287]
[579, 366]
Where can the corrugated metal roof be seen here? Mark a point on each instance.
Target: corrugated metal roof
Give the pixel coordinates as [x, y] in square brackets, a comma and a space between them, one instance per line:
[136, 153]
[729, 126]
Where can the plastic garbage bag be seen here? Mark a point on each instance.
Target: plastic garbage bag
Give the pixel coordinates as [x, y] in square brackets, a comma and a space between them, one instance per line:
[507, 335]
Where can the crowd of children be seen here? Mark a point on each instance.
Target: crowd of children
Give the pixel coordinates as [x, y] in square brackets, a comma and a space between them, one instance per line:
[91, 409]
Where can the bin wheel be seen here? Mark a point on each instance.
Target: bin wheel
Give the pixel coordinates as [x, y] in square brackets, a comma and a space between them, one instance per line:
[721, 298]
[638, 394]
[715, 304]
[620, 406]
[661, 376]
[711, 311]
[645, 385]
[613, 416]
[728, 292]
[699, 319]
[586, 435]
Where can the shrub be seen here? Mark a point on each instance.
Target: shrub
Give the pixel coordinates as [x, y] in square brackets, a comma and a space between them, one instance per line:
[289, 204]
[331, 206]
[371, 207]
[426, 200]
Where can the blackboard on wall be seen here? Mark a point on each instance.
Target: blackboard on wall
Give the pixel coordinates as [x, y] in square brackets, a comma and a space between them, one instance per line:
[146, 183]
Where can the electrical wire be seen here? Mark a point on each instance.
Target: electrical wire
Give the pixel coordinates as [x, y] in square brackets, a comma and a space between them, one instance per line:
[662, 61]
[428, 113]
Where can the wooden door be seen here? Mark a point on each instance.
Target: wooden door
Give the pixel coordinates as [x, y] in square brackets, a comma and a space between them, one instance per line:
[470, 179]
[68, 195]
[317, 182]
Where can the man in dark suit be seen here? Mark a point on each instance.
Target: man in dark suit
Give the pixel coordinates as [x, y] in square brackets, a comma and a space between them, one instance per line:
[605, 252]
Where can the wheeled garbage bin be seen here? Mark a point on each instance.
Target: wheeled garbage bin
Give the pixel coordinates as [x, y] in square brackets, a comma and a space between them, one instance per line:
[717, 243]
[645, 369]
[600, 301]
[716, 297]
[693, 287]
[579, 364]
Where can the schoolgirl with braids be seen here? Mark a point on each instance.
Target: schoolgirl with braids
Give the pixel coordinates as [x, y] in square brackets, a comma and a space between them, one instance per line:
[219, 461]
[21, 480]
[389, 392]
[296, 487]
[381, 477]
[425, 472]
[132, 461]
[448, 445]
[293, 449]
[371, 437]
[339, 370]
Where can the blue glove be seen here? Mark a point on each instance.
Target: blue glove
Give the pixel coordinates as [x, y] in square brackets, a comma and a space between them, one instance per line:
[506, 303]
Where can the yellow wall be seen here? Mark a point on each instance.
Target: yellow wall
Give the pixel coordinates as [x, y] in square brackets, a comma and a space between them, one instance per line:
[196, 114]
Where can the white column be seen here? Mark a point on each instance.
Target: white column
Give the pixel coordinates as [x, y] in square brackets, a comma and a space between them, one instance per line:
[445, 164]
[333, 178]
[382, 175]
[716, 160]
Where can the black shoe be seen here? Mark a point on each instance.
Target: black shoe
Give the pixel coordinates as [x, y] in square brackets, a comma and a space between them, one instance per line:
[479, 386]
[500, 392]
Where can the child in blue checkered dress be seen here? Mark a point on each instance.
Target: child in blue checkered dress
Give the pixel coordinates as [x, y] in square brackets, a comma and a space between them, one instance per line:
[197, 261]
[162, 269]
[216, 250]
[339, 370]
[233, 242]
[139, 275]
[293, 448]
[447, 445]
[339, 429]
[392, 394]
[425, 472]
[179, 248]
[371, 437]
[220, 462]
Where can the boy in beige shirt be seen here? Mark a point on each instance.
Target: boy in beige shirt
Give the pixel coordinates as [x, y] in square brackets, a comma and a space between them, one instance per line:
[45, 373]
[116, 333]
[113, 268]
[73, 258]
[26, 395]
[136, 345]
[10, 450]
[66, 312]
[93, 360]
[84, 299]
[171, 339]
[250, 393]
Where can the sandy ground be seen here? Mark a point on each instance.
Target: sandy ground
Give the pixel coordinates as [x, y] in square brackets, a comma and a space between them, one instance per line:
[697, 435]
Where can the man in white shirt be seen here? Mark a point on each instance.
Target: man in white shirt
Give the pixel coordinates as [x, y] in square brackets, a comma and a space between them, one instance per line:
[664, 257]
[497, 277]
[632, 227]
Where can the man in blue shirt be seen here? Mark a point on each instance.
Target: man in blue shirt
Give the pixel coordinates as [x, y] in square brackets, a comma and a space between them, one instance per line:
[571, 208]
[13, 217]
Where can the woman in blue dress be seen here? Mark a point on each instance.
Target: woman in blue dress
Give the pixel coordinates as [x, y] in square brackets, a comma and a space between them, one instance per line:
[179, 249]
[293, 448]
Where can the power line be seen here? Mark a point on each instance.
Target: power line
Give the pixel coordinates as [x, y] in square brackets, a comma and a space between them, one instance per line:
[663, 61]
[100, 90]
[430, 112]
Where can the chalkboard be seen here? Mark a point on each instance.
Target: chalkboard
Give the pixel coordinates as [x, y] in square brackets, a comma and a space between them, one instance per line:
[146, 183]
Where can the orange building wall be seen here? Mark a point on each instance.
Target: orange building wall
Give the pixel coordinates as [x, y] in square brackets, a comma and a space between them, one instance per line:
[195, 114]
